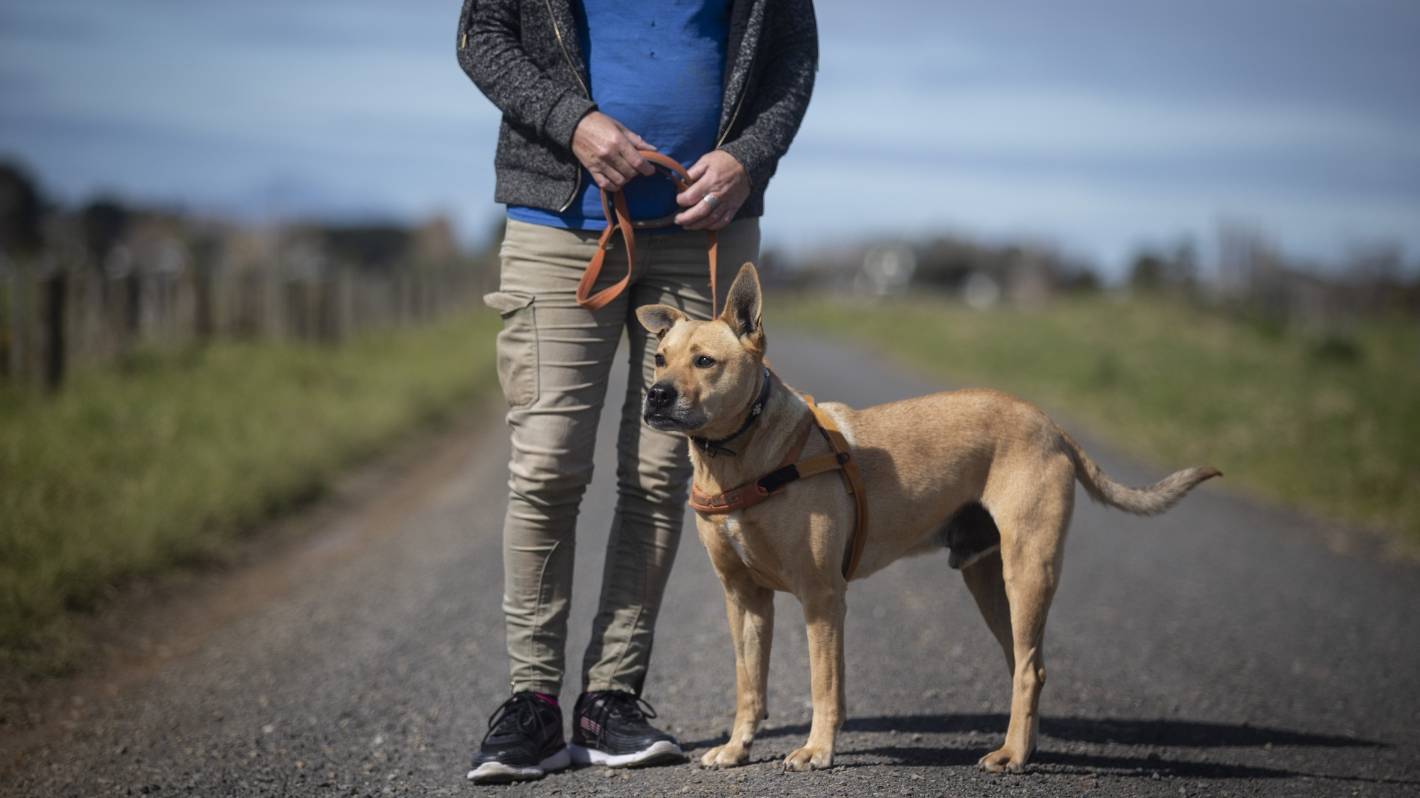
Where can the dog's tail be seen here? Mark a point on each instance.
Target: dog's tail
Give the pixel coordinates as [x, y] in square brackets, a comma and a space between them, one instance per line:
[1152, 500]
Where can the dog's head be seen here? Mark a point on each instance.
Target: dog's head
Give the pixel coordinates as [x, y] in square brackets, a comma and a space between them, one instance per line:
[707, 372]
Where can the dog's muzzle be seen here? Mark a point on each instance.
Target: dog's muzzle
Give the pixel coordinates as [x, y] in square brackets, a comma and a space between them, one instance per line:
[660, 397]
[660, 407]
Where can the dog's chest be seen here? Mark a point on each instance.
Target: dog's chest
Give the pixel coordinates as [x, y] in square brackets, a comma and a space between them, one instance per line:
[732, 530]
[756, 553]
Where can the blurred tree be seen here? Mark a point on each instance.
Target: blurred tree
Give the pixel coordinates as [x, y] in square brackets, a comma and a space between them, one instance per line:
[1375, 272]
[21, 210]
[377, 246]
[104, 221]
[1147, 272]
[946, 262]
[1079, 278]
[1153, 270]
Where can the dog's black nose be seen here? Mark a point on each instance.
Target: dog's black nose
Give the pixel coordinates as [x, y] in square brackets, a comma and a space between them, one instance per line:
[660, 396]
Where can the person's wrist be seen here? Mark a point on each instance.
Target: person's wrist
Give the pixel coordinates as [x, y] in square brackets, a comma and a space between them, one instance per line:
[567, 116]
[584, 124]
[731, 157]
[735, 165]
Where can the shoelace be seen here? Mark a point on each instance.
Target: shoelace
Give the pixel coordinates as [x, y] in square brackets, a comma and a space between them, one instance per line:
[522, 708]
[624, 705]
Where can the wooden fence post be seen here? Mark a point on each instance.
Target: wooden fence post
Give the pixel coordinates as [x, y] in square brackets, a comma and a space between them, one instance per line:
[55, 293]
[10, 333]
[202, 312]
[133, 306]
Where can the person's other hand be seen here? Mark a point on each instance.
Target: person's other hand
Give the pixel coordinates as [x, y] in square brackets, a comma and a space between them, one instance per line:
[609, 151]
[717, 173]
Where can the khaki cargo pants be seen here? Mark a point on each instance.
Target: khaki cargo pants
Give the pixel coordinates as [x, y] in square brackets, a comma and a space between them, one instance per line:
[554, 361]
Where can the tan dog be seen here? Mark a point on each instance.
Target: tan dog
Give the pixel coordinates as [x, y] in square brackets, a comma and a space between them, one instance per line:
[930, 464]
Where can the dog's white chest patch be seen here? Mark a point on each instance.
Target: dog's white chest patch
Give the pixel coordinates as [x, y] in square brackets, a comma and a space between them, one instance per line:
[733, 530]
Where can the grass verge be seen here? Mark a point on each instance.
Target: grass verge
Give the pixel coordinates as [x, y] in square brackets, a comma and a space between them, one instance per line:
[1328, 423]
[133, 471]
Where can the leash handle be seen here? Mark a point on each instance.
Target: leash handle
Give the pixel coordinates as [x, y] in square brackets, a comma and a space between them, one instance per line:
[619, 218]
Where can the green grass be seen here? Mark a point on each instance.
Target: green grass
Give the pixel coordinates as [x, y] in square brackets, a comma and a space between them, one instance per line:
[1327, 423]
[130, 472]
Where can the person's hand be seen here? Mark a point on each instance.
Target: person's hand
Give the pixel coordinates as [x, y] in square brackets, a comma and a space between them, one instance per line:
[723, 179]
[609, 151]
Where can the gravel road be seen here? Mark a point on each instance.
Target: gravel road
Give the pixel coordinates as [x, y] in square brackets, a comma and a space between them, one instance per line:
[1222, 649]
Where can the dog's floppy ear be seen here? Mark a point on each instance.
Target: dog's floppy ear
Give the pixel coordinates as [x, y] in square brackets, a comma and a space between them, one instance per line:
[658, 319]
[744, 308]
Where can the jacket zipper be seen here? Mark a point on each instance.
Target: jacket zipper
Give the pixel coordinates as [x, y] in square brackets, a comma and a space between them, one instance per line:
[561, 45]
[733, 116]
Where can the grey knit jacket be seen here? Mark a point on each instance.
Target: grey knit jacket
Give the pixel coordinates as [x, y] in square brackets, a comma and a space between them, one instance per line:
[525, 56]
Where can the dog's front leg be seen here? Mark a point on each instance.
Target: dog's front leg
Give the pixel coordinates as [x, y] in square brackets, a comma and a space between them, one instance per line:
[751, 612]
[824, 614]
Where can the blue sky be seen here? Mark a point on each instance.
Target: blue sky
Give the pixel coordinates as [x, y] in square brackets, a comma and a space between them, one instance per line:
[1098, 125]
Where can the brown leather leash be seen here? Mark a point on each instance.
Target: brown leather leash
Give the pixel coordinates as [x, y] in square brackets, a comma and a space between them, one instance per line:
[791, 469]
[618, 218]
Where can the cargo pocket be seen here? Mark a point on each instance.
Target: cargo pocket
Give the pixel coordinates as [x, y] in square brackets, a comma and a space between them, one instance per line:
[517, 346]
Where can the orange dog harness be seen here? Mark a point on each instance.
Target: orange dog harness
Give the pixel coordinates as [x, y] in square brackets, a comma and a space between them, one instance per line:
[791, 469]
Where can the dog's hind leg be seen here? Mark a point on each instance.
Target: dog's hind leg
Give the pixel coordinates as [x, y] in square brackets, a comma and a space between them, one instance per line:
[983, 578]
[1033, 523]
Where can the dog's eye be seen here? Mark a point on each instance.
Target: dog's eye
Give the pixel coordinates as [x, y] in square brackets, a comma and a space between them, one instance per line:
[704, 362]
[660, 360]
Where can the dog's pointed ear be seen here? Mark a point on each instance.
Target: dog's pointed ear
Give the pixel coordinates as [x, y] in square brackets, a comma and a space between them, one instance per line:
[744, 308]
[658, 319]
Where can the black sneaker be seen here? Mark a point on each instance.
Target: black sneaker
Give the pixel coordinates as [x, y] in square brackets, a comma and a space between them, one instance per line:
[610, 728]
[524, 741]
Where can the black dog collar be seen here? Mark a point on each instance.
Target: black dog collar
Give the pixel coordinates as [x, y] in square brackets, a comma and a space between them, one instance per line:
[716, 447]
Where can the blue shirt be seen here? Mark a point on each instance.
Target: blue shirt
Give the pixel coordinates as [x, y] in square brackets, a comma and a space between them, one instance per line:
[656, 66]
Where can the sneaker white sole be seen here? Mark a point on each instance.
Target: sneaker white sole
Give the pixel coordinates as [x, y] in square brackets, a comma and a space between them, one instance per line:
[659, 751]
[499, 772]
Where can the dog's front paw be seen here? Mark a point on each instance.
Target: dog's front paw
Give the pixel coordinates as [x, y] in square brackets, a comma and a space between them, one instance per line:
[728, 755]
[810, 757]
[1002, 760]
